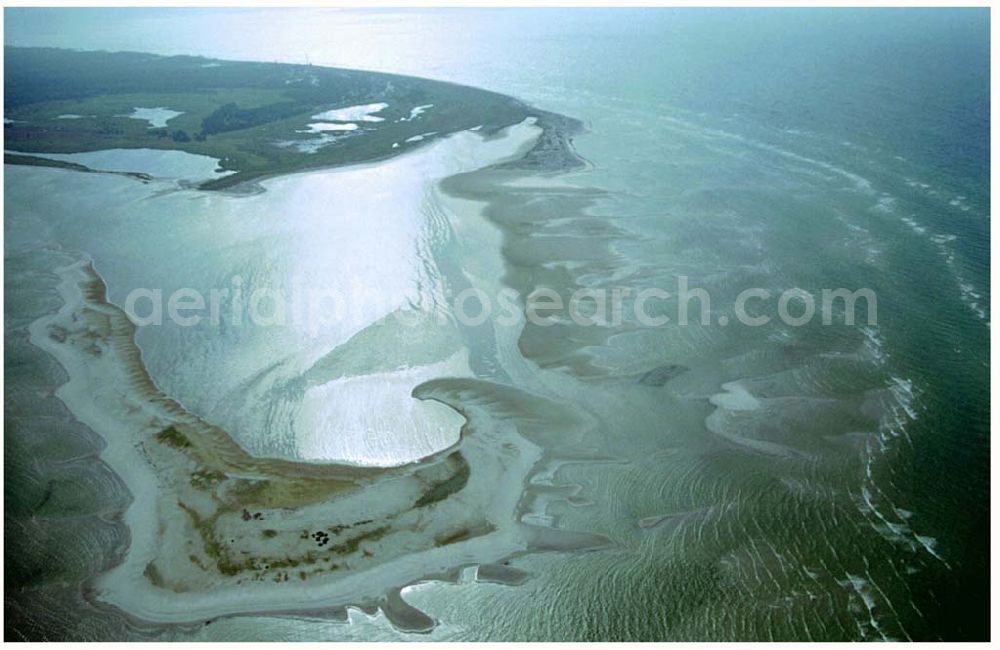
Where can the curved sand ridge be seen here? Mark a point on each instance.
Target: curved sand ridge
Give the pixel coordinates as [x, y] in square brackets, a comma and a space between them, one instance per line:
[217, 531]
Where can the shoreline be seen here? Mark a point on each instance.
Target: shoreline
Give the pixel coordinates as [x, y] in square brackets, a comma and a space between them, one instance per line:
[551, 152]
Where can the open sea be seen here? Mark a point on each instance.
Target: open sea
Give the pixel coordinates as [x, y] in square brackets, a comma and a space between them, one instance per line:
[774, 482]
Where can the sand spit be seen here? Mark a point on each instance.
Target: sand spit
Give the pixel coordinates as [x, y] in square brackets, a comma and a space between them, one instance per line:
[216, 531]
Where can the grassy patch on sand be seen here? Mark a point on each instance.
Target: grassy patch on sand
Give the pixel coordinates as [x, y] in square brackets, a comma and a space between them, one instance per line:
[171, 436]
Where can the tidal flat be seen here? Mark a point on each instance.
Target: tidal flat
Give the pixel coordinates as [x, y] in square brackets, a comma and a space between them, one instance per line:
[215, 530]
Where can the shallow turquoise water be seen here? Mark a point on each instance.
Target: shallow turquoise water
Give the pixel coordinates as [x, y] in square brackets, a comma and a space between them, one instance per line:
[774, 149]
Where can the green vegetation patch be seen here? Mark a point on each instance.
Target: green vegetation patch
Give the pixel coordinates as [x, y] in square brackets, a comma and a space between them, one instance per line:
[441, 490]
[252, 117]
[171, 436]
